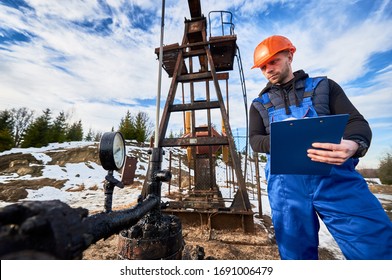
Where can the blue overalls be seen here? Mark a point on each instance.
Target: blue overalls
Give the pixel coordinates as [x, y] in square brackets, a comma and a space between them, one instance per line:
[352, 214]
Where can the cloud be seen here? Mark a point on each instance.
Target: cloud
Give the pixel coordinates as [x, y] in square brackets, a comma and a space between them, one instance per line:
[67, 60]
[96, 58]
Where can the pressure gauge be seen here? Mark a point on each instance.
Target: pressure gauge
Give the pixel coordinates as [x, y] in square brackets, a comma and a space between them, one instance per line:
[112, 151]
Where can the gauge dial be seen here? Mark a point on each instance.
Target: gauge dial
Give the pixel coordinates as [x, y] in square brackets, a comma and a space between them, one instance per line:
[118, 150]
[112, 151]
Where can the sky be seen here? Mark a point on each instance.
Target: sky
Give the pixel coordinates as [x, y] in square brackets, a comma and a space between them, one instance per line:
[95, 60]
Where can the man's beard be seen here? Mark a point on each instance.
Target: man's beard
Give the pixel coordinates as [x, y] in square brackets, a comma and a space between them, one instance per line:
[280, 77]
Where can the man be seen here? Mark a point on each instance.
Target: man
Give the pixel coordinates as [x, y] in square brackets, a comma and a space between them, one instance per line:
[354, 217]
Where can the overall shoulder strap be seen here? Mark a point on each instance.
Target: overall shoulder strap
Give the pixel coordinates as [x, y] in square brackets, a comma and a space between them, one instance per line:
[311, 84]
[265, 101]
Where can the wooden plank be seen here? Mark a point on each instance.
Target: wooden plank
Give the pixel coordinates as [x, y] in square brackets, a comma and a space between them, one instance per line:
[200, 105]
[194, 8]
[194, 141]
[193, 77]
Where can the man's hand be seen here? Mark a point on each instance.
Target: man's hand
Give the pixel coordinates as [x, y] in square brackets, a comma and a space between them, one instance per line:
[333, 153]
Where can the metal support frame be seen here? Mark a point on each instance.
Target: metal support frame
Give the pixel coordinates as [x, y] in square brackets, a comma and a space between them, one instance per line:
[196, 45]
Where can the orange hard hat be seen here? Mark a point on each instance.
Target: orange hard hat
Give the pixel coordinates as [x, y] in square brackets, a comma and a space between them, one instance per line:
[269, 47]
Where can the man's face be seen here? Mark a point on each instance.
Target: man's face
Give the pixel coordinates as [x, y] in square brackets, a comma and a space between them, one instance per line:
[278, 69]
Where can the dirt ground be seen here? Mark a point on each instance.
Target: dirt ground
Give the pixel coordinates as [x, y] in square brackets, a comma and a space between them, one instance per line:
[202, 243]
[212, 244]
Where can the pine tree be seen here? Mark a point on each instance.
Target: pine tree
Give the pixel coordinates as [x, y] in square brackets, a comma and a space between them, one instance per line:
[385, 169]
[127, 127]
[171, 134]
[6, 140]
[59, 129]
[75, 132]
[6, 120]
[90, 135]
[142, 127]
[38, 133]
[98, 136]
[6, 125]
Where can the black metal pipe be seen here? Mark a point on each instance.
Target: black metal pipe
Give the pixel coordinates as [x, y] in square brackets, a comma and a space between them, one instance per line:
[103, 225]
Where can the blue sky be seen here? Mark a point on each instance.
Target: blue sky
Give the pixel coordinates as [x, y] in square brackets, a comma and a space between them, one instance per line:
[95, 59]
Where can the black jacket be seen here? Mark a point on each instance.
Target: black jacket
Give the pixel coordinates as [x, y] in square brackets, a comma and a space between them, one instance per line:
[357, 127]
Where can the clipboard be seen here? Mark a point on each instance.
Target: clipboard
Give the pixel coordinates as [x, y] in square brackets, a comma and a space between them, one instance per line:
[290, 140]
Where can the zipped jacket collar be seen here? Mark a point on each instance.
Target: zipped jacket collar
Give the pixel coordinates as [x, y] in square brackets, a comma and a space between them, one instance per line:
[298, 75]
